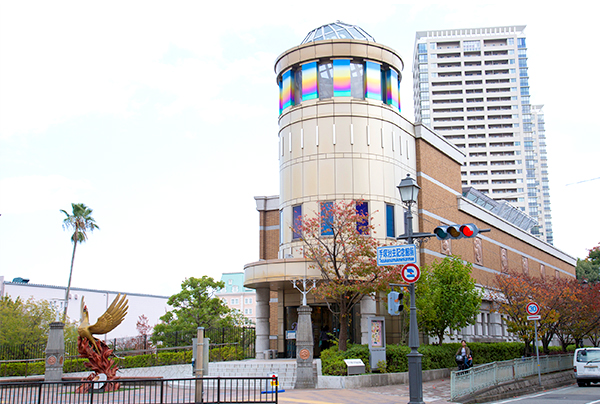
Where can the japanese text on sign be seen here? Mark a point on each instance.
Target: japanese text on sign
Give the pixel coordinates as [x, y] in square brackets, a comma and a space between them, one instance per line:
[397, 255]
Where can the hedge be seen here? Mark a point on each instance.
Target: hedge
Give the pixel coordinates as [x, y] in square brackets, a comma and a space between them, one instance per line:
[434, 356]
[78, 365]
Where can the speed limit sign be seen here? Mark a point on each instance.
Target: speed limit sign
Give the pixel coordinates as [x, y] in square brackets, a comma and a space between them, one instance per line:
[532, 309]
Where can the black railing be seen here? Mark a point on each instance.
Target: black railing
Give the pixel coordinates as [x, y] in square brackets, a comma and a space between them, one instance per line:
[240, 338]
[142, 391]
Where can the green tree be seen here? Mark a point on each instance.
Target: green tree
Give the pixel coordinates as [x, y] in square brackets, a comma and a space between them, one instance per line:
[80, 221]
[26, 323]
[195, 306]
[446, 297]
[339, 241]
[589, 268]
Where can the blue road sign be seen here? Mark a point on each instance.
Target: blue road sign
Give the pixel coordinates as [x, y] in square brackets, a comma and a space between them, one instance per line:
[397, 255]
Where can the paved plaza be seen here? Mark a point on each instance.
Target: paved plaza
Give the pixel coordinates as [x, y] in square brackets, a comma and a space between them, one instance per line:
[435, 392]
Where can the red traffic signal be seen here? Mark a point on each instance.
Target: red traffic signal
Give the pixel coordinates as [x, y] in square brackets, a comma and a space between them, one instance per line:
[456, 231]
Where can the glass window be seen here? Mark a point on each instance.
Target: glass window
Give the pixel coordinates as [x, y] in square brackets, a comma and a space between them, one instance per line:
[298, 86]
[362, 224]
[326, 219]
[510, 41]
[423, 58]
[521, 43]
[357, 80]
[422, 48]
[389, 221]
[297, 217]
[326, 80]
[472, 45]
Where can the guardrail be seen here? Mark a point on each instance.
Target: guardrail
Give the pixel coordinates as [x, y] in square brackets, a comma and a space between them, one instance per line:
[141, 391]
[463, 382]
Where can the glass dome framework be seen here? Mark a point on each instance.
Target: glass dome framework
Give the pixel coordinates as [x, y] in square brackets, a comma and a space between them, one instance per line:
[337, 30]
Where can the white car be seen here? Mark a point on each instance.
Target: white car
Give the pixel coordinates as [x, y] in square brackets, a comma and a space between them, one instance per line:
[586, 364]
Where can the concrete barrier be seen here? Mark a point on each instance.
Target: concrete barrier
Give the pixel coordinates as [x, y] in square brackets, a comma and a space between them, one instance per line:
[376, 379]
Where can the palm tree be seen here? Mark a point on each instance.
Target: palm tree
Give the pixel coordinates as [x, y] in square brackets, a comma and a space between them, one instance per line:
[80, 221]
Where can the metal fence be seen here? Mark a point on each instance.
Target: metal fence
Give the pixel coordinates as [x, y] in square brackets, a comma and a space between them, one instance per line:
[477, 378]
[242, 338]
[142, 391]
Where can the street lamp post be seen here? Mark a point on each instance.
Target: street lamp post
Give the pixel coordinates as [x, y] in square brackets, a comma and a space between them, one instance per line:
[409, 190]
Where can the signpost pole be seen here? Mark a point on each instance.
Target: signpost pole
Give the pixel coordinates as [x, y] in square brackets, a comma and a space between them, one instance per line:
[537, 354]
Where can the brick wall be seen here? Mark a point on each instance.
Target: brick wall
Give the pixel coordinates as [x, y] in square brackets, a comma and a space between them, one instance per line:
[497, 250]
[269, 234]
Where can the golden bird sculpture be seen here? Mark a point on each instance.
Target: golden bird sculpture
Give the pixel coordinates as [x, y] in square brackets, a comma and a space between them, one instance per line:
[112, 317]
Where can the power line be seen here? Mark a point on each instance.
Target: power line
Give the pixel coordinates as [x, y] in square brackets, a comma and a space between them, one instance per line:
[580, 182]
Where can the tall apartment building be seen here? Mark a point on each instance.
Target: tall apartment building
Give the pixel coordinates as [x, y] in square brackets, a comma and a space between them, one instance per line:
[472, 87]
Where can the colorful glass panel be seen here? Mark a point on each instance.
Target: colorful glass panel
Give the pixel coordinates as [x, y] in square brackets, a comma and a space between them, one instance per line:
[341, 78]
[373, 80]
[287, 94]
[309, 81]
[392, 97]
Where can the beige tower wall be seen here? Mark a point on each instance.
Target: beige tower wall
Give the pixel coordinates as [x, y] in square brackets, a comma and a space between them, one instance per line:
[342, 148]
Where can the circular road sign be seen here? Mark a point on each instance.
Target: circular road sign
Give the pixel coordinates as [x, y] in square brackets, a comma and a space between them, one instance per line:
[532, 309]
[411, 273]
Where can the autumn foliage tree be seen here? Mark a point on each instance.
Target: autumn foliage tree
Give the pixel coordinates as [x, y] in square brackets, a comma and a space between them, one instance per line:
[569, 309]
[340, 242]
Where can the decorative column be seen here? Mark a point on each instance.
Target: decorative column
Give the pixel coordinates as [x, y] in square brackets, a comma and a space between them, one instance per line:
[55, 353]
[305, 378]
[368, 310]
[263, 296]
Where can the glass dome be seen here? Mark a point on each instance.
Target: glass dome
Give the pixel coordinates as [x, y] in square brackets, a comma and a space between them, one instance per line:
[337, 30]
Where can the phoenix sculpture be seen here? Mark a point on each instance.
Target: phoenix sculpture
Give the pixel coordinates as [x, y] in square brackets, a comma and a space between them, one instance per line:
[96, 350]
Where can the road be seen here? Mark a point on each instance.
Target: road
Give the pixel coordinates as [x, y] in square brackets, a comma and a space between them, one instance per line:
[571, 395]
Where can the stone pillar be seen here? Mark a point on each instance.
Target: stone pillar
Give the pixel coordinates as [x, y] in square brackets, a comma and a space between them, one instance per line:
[55, 353]
[368, 309]
[305, 378]
[263, 295]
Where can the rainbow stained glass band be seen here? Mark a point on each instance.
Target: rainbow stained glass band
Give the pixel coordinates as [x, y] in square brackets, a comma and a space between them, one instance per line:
[309, 81]
[373, 80]
[392, 97]
[341, 78]
[287, 93]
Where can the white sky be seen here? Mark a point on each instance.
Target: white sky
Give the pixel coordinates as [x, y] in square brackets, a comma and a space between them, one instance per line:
[162, 117]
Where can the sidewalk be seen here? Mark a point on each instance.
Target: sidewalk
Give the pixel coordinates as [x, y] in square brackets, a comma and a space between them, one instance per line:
[435, 392]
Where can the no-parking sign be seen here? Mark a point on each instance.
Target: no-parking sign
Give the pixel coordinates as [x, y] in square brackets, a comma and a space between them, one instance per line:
[411, 273]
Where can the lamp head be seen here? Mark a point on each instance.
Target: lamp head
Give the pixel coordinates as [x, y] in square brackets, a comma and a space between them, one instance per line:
[409, 190]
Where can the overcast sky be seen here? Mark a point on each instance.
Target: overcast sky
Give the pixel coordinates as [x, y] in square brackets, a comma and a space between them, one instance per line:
[162, 117]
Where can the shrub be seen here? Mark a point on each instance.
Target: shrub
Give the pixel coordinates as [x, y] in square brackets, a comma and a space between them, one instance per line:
[332, 359]
[227, 353]
[434, 356]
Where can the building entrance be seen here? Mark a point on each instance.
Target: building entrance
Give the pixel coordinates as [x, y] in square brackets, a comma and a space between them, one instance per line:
[326, 328]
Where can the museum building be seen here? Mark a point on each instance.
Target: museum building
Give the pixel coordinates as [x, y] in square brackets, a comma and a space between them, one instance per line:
[342, 137]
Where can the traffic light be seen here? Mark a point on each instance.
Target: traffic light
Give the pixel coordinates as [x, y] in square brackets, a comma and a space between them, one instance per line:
[456, 231]
[395, 305]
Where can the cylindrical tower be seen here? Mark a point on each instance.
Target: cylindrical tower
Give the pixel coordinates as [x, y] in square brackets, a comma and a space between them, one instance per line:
[341, 135]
